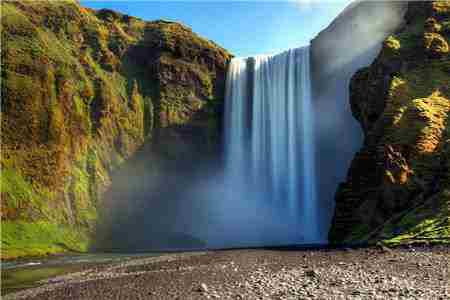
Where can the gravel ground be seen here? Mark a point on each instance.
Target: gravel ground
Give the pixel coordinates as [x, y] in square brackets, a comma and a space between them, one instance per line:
[370, 273]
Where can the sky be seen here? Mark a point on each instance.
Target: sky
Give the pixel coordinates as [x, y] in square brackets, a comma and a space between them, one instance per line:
[244, 28]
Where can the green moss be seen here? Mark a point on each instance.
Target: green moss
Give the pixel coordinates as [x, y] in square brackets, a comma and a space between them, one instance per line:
[39, 238]
[81, 179]
[94, 175]
[80, 192]
[436, 44]
[15, 188]
[35, 42]
[15, 22]
[441, 7]
[391, 46]
[406, 136]
[428, 223]
[21, 199]
[82, 110]
[20, 83]
[417, 104]
[445, 26]
[358, 234]
[174, 34]
[411, 38]
[78, 99]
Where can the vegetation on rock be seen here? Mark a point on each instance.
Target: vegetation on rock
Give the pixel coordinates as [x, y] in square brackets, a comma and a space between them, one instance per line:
[82, 91]
[398, 186]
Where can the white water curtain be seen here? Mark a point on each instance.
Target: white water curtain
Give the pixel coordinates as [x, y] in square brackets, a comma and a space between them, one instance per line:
[269, 139]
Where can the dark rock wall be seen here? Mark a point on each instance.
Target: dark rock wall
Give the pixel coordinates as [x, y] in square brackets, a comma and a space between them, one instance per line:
[350, 42]
[397, 186]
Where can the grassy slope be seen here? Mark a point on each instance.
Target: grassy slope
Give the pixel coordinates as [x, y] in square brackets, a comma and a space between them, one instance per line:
[40, 238]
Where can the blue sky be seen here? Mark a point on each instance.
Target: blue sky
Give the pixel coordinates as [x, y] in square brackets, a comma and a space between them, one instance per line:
[244, 28]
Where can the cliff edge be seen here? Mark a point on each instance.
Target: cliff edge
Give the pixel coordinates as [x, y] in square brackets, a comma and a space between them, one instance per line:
[82, 91]
[398, 186]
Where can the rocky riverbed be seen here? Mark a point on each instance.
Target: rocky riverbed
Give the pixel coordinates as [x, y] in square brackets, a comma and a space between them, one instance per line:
[369, 273]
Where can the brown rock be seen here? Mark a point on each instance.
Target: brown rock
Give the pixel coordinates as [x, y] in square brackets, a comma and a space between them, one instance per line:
[435, 45]
[396, 180]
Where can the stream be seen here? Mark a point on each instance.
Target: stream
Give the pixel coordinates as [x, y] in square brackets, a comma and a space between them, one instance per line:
[27, 273]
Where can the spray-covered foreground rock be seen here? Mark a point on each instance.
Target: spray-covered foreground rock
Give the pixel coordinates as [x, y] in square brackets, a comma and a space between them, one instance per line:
[398, 186]
[82, 91]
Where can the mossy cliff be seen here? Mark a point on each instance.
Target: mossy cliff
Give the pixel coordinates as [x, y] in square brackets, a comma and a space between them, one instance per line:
[82, 91]
[398, 186]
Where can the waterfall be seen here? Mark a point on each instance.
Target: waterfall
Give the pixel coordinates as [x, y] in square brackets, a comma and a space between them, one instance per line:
[269, 139]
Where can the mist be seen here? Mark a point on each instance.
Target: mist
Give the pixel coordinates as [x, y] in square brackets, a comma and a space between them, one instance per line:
[351, 42]
[160, 203]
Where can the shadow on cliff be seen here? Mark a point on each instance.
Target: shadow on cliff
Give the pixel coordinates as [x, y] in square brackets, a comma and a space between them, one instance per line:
[151, 206]
[147, 206]
[406, 196]
[351, 42]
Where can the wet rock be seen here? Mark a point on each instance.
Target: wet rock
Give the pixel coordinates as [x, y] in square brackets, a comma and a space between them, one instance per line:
[311, 273]
[203, 288]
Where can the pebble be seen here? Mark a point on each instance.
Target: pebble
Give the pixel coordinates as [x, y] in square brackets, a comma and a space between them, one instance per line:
[343, 280]
[203, 288]
[257, 274]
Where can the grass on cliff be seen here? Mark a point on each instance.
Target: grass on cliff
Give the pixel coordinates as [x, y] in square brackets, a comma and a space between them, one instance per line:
[39, 238]
[420, 122]
[51, 84]
[427, 223]
[16, 187]
[78, 102]
[19, 198]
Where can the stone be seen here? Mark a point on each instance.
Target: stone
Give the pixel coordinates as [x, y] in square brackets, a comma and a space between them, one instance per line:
[202, 288]
[311, 273]
[384, 249]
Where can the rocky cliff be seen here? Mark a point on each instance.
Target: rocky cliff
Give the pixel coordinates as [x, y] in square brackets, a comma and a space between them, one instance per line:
[398, 185]
[352, 41]
[82, 92]
[100, 108]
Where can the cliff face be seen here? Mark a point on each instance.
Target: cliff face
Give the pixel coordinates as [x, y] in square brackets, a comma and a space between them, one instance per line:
[82, 91]
[352, 41]
[398, 185]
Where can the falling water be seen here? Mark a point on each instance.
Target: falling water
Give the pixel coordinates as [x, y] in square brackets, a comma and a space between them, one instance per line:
[269, 137]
